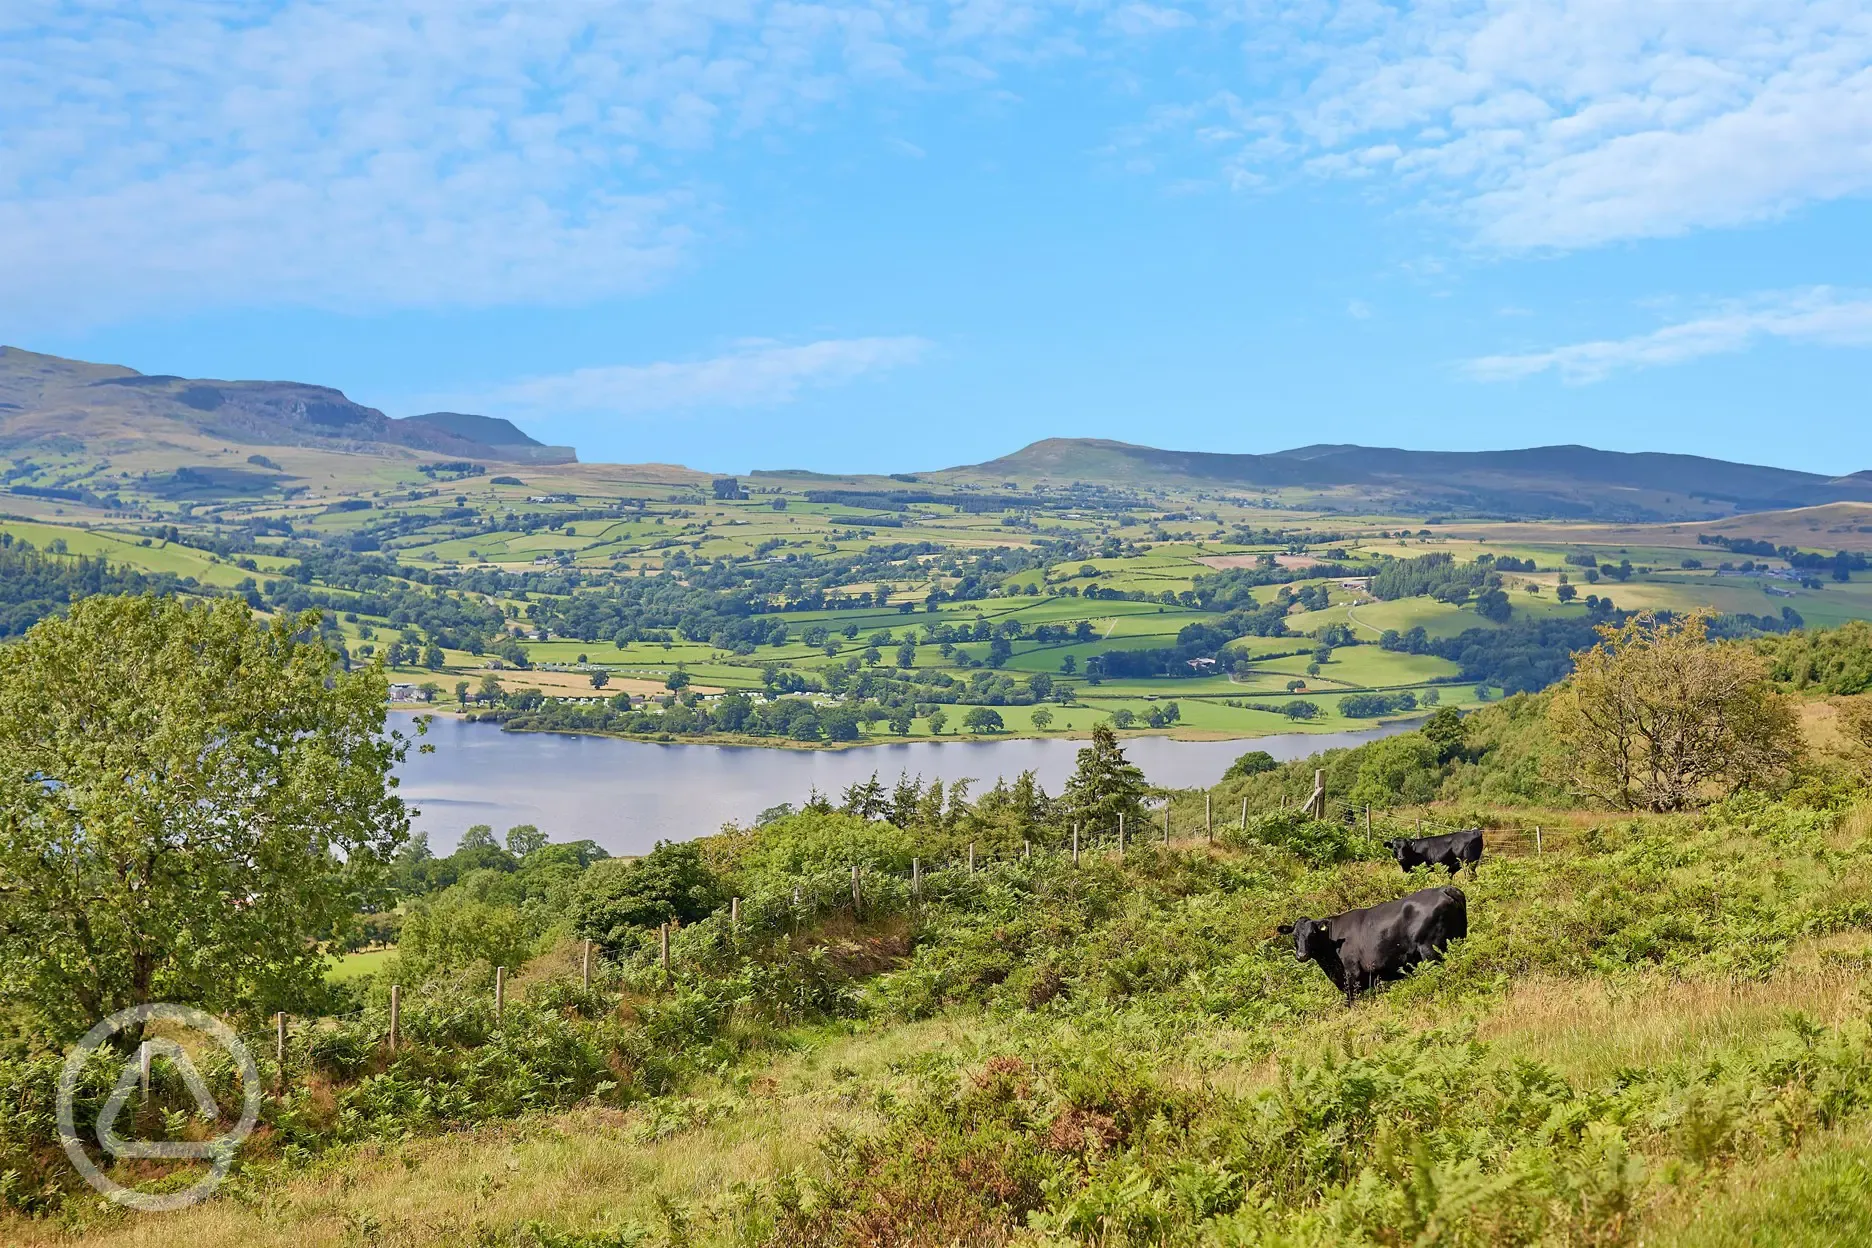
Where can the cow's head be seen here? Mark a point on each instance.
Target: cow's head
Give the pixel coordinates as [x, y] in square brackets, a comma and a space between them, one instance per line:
[1312, 937]
[1399, 847]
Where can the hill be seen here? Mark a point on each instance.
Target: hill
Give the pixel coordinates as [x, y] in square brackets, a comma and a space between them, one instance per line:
[1574, 482]
[54, 405]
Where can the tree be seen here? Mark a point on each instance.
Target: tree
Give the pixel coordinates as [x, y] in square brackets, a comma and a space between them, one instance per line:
[479, 836]
[906, 654]
[1104, 785]
[523, 839]
[600, 678]
[1492, 604]
[866, 799]
[617, 897]
[1656, 717]
[1448, 731]
[1042, 719]
[1855, 722]
[1068, 665]
[461, 693]
[190, 801]
[1253, 763]
[937, 719]
[678, 679]
[1123, 717]
[432, 657]
[983, 719]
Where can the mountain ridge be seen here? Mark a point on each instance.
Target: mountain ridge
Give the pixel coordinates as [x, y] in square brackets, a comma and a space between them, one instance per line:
[1559, 481]
[49, 402]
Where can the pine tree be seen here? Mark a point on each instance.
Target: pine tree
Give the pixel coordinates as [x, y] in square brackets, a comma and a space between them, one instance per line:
[1105, 786]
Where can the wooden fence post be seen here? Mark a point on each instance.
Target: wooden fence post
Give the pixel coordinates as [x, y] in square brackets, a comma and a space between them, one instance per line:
[1121, 836]
[1209, 816]
[1166, 821]
[1537, 846]
[916, 877]
[1026, 851]
[1367, 818]
[971, 857]
[585, 967]
[663, 942]
[1244, 814]
[279, 1046]
[1075, 844]
[857, 901]
[143, 1066]
[396, 1015]
[734, 916]
[500, 993]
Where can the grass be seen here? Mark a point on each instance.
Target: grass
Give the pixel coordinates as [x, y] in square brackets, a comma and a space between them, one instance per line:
[589, 1171]
[352, 966]
[669, 510]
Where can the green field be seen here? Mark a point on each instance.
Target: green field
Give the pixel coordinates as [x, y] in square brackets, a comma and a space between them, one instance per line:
[1125, 565]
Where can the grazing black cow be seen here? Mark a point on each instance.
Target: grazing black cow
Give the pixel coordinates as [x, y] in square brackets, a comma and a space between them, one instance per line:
[1451, 850]
[1360, 948]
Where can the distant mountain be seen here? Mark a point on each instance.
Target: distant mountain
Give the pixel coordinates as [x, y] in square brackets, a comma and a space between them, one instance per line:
[55, 404]
[1549, 481]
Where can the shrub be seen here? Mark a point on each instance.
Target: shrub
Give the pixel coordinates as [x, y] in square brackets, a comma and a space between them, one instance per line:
[671, 882]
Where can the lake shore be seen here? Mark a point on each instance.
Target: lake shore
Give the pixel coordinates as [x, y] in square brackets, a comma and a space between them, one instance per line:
[627, 793]
[1178, 733]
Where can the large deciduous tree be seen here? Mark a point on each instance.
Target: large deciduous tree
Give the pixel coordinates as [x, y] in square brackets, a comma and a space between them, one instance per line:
[190, 800]
[1656, 717]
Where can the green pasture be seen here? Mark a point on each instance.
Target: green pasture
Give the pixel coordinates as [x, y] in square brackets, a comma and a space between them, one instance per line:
[352, 966]
[158, 557]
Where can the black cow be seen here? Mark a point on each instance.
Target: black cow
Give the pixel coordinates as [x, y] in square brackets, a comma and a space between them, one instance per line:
[1451, 850]
[1360, 948]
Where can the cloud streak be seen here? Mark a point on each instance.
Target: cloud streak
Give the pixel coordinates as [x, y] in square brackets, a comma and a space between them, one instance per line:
[371, 154]
[1817, 316]
[1550, 124]
[754, 375]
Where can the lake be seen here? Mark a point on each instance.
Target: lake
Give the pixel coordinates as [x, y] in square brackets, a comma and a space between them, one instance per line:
[628, 795]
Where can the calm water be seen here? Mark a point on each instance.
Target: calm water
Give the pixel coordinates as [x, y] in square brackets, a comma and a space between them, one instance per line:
[627, 795]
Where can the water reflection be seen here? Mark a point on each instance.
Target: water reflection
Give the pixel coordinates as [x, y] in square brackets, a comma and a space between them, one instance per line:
[627, 795]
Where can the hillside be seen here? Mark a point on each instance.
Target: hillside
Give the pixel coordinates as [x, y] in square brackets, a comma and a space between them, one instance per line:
[57, 406]
[1653, 1033]
[1562, 482]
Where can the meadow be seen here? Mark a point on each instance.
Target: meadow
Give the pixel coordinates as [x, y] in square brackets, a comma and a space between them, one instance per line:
[1656, 1032]
[899, 605]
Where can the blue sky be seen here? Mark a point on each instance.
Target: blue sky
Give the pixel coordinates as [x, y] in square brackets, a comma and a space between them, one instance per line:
[890, 235]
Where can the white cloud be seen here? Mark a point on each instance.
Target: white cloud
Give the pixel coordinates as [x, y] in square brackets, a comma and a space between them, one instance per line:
[1567, 123]
[755, 374]
[1358, 309]
[1818, 316]
[368, 154]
